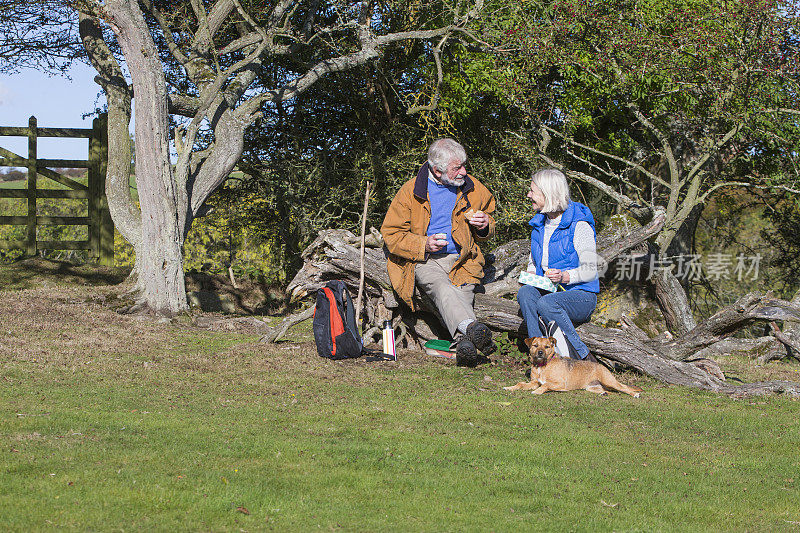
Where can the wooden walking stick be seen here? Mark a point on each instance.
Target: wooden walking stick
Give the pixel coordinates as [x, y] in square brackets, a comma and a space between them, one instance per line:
[361, 268]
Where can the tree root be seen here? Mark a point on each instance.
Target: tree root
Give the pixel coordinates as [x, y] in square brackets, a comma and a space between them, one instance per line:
[280, 330]
[792, 346]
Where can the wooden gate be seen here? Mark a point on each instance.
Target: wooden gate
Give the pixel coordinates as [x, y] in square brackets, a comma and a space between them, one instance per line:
[100, 243]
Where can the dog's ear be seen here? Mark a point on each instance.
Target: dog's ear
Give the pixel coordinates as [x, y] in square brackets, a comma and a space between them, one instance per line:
[553, 341]
[528, 342]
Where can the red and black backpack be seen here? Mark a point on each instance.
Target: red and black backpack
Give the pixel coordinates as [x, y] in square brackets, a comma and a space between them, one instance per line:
[335, 326]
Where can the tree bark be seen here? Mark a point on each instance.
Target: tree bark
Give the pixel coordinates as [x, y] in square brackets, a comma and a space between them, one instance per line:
[762, 349]
[126, 216]
[615, 345]
[728, 321]
[792, 347]
[159, 256]
[792, 327]
[674, 303]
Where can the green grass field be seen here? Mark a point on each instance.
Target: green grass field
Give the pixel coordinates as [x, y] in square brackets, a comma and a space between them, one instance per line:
[18, 184]
[44, 182]
[109, 422]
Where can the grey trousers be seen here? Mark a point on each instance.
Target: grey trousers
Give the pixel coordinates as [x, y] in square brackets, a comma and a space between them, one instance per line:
[453, 303]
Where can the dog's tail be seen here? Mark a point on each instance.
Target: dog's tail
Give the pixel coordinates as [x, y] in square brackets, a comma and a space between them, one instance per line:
[630, 389]
[611, 382]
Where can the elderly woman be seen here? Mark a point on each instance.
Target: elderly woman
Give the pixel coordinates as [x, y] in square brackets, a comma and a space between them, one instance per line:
[563, 248]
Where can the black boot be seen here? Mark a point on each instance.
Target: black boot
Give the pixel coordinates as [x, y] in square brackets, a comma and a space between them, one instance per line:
[466, 353]
[481, 337]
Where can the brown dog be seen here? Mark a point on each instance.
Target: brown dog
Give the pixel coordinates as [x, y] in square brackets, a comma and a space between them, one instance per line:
[551, 372]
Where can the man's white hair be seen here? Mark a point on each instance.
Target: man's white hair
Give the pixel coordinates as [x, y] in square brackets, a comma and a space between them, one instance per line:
[443, 151]
[553, 184]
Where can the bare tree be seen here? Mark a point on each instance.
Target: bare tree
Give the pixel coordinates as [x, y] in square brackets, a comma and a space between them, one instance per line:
[195, 71]
[37, 35]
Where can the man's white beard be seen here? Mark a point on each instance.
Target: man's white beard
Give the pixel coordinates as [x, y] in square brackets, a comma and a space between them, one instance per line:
[457, 182]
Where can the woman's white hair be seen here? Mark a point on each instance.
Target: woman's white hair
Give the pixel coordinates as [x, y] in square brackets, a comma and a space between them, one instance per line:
[443, 151]
[553, 184]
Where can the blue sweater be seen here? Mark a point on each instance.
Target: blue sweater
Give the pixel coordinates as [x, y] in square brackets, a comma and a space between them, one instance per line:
[443, 201]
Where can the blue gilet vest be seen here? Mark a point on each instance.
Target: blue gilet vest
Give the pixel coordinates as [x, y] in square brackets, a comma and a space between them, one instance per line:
[561, 252]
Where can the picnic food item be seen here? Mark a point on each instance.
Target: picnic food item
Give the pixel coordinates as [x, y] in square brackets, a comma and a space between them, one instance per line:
[470, 213]
[441, 238]
[440, 348]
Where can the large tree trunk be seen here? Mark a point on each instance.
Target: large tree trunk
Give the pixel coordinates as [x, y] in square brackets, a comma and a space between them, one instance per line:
[677, 238]
[159, 255]
[124, 212]
[126, 215]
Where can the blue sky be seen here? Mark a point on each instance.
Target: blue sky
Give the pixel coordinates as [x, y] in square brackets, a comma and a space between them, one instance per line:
[57, 102]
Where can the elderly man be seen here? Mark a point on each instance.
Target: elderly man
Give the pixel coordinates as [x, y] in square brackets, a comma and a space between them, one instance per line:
[431, 231]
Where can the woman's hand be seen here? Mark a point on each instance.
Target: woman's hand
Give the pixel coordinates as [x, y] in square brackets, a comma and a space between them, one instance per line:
[557, 276]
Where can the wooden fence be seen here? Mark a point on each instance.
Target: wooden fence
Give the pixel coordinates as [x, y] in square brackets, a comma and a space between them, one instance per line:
[100, 243]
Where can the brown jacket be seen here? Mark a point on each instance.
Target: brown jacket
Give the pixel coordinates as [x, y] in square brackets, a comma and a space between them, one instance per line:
[405, 229]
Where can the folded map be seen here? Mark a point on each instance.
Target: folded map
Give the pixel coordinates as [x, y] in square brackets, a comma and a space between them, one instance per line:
[542, 282]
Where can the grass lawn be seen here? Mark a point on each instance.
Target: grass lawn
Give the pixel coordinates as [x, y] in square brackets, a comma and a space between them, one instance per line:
[109, 422]
[19, 184]
[42, 182]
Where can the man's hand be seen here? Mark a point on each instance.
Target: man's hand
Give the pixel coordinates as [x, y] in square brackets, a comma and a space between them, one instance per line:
[432, 245]
[479, 220]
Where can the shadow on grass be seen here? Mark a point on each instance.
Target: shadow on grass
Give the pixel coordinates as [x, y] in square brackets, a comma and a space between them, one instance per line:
[216, 293]
[211, 293]
[31, 273]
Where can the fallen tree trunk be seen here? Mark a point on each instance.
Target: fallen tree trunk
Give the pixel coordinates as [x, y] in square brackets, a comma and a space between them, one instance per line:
[334, 255]
[674, 303]
[616, 345]
[729, 320]
[761, 349]
[792, 346]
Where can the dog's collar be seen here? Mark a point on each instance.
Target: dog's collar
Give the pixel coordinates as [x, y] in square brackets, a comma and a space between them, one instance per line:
[555, 354]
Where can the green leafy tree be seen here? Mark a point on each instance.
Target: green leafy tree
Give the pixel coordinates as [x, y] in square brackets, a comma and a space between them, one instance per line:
[658, 104]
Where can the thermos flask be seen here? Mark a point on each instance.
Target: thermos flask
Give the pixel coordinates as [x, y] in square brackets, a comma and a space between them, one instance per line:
[388, 339]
